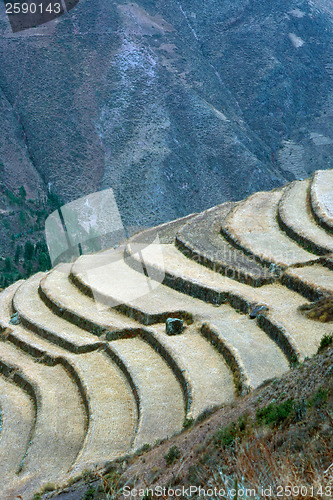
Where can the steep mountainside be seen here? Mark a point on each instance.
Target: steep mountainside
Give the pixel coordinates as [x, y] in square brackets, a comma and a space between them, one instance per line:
[177, 104]
[105, 356]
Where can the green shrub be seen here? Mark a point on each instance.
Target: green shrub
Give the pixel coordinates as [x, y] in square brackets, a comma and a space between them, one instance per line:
[326, 341]
[145, 447]
[48, 487]
[88, 475]
[243, 424]
[22, 192]
[18, 251]
[90, 494]
[226, 436]
[43, 262]
[188, 422]
[173, 455]
[12, 198]
[274, 414]
[22, 216]
[206, 413]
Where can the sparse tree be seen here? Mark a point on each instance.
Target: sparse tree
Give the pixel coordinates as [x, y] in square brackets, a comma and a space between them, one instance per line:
[22, 192]
[18, 251]
[28, 250]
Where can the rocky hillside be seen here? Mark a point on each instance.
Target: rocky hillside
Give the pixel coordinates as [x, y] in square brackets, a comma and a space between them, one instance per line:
[178, 105]
[276, 442]
[107, 355]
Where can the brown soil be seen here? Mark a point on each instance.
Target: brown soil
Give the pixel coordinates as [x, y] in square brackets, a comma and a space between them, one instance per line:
[320, 310]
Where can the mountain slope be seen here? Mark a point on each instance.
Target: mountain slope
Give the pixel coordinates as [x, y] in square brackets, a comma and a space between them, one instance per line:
[177, 105]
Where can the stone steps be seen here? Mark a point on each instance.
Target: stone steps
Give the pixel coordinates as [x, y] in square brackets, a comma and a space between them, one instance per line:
[90, 360]
[322, 198]
[201, 240]
[150, 308]
[139, 380]
[163, 302]
[36, 316]
[140, 360]
[21, 336]
[102, 384]
[286, 320]
[259, 355]
[18, 415]
[205, 388]
[204, 369]
[107, 278]
[60, 293]
[296, 219]
[54, 281]
[253, 227]
[6, 299]
[112, 409]
[282, 319]
[162, 406]
[190, 278]
[60, 421]
[68, 302]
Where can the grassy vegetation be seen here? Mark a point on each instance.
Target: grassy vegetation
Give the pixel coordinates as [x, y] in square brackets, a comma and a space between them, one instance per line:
[90, 494]
[143, 449]
[188, 422]
[29, 259]
[319, 399]
[325, 342]
[320, 310]
[172, 456]
[275, 414]
[272, 415]
[48, 488]
[227, 436]
[287, 443]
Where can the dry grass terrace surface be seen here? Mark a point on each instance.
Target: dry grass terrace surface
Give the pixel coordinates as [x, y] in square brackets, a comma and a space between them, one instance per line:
[89, 374]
